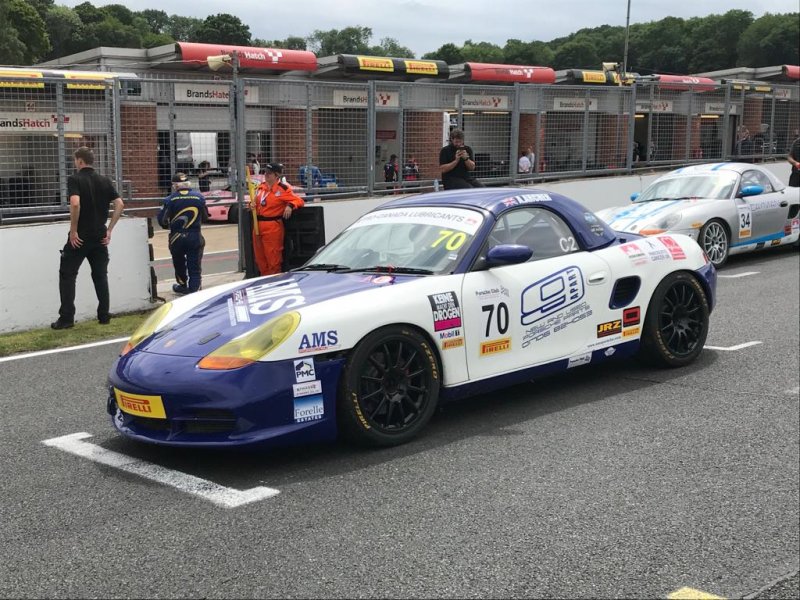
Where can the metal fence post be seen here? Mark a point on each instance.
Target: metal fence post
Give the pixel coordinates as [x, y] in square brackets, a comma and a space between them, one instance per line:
[585, 142]
[240, 146]
[726, 126]
[370, 150]
[309, 140]
[116, 132]
[62, 147]
[513, 150]
[631, 126]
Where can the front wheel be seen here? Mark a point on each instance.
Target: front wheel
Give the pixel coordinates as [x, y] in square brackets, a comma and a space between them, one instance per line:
[676, 324]
[715, 241]
[389, 389]
[233, 213]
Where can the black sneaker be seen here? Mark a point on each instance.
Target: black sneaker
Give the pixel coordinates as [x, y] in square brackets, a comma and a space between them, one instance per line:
[104, 320]
[180, 289]
[59, 324]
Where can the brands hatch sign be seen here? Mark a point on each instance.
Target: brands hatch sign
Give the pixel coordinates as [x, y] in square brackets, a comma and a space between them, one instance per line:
[199, 93]
[36, 122]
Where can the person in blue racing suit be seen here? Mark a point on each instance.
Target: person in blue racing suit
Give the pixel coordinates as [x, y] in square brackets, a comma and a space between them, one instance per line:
[182, 213]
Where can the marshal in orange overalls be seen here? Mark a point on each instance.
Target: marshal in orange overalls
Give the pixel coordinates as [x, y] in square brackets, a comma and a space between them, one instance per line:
[271, 201]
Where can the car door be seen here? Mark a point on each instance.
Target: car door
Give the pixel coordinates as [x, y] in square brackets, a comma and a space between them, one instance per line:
[521, 315]
[766, 212]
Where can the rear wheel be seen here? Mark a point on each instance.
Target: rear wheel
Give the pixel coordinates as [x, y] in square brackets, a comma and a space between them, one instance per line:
[390, 388]
[676, 324]
[715, 241]
[233, 213]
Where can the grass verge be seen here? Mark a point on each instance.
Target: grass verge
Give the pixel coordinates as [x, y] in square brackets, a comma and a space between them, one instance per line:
[83, 333]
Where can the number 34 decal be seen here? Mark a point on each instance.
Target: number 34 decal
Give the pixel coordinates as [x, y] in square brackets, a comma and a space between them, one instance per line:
[745, 222]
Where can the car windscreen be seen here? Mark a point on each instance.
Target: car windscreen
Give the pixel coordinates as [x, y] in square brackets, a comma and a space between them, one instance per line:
[716, 185]
[433, 239]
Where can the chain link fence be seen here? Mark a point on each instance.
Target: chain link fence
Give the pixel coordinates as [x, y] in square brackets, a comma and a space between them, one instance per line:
[334, 138]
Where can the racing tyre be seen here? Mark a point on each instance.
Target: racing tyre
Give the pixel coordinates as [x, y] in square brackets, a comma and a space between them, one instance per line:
[715, 241]
[389, 389]
[233, 214]
[676, 324]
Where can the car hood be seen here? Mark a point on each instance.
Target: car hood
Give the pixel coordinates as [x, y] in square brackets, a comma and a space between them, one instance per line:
[240, 309]
[633, 217]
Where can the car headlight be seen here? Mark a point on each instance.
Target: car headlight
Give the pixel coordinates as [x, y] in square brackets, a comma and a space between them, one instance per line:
[248, 348]
[147, 328]
[662, 225]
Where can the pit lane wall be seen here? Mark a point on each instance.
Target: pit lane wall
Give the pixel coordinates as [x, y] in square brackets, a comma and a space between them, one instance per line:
[29, 254]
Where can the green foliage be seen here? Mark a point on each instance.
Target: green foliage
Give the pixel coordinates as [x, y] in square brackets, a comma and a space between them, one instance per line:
[157, 20]
[712, 40]
[449, 53]
[770, 40]
[66, 30]
[183, 29]
[24, 37]
[578, 53]
[517, 52]
[391, 47]
[482, 52]
[291, 43]
[223, 29]
[350, 40]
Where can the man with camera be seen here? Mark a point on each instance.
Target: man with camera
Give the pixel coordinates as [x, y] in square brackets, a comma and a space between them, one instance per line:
[457, 162]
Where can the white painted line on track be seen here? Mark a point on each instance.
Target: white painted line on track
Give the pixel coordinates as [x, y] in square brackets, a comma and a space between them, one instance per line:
[207, 490]
[793, 391]
[737, 275]
[733, 348]
[66, 349]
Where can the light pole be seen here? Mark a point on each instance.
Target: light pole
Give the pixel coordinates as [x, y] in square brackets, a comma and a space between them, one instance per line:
[624, 74]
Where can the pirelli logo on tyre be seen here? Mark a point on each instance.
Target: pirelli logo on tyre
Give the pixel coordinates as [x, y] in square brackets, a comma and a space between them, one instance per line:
[610, 328]
[495, 346]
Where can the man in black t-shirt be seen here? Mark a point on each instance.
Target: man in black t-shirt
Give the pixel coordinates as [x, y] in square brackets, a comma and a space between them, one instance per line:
[90, 195]
[457, 162]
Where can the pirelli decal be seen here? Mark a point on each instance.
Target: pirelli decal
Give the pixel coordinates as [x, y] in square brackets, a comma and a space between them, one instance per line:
[495, 346]
[421, 67]
[371, 63]
[609, 328]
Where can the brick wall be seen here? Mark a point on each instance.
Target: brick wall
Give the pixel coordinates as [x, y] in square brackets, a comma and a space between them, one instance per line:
[140, 149]
[423, 139]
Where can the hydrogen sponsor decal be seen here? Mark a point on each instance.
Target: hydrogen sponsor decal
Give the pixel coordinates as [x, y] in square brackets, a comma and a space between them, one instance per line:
[308, 408]
[631, 316]
[555, 323]
[634, 253]
[527, 199]
[674, 248]
[446, 311]
[307, 388]
[609, 328]
[272, 296]
[319, 341]
[237, 307]
[495, 346]
[493, 293]
[452, 343]
[461, 219]
[551, 294]
[304, 370]
[581, 359]
[655, 251]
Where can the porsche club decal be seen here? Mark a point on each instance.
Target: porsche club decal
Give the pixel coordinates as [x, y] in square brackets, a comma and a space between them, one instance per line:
[495, 346]
[609, 328]
[446, 311]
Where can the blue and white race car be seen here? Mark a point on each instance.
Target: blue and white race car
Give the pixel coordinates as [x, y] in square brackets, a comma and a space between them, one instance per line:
[427, 298]
[729, 208]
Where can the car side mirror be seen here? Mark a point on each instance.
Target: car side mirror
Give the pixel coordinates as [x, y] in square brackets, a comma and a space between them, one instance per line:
[507, 254]
[634, 196]
[751, 190]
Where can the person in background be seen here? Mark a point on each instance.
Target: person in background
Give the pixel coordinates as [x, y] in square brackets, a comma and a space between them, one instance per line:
[182, 212]
[204, 177]
[457, 162]
[411, 169]
[524, 163]
[794, 160]
[390, 169]
[90, 195]
[274, 201]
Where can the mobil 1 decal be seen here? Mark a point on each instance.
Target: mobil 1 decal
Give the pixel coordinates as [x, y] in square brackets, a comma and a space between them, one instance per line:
[552, 304]
[446, 311]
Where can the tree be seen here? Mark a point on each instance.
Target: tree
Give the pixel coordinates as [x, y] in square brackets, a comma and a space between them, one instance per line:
[42, 6]
[770, 40]
[290, 43]
[182, 29]
[223, 29]
[350, 40]
[391, 47]
[25, 27]
[713, 40]
[88, 13]
[121, 13]
[482, 52]
[449, 53]
[157, 20]
[66, 30]
[517, 52]
[578, 53]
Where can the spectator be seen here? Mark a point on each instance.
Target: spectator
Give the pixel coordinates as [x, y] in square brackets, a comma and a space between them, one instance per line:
[181, 213]
[794, 160]
[90, 195]
[204, 176]
[274, 202]
[457, 162]
[531, 157]
[411, 169]
[524, 163]
[390, 169]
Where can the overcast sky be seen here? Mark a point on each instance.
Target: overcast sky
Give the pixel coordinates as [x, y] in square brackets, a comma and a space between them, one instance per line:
[425, 25]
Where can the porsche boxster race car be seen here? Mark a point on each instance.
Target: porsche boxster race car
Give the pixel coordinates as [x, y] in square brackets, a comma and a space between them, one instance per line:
[424, 299]
[729, 208]
[221, 204]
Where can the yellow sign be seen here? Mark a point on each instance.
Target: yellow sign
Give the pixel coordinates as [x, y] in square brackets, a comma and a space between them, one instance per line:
[23, 74]
[453, 343]
[594, 77]
[371, 63]
[631, 331]
[96, 77]
[421, 67]
[496, 346]
[140, 405]
[687, 593]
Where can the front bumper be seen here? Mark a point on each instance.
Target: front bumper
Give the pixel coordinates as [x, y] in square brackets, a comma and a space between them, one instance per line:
[260, 403]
